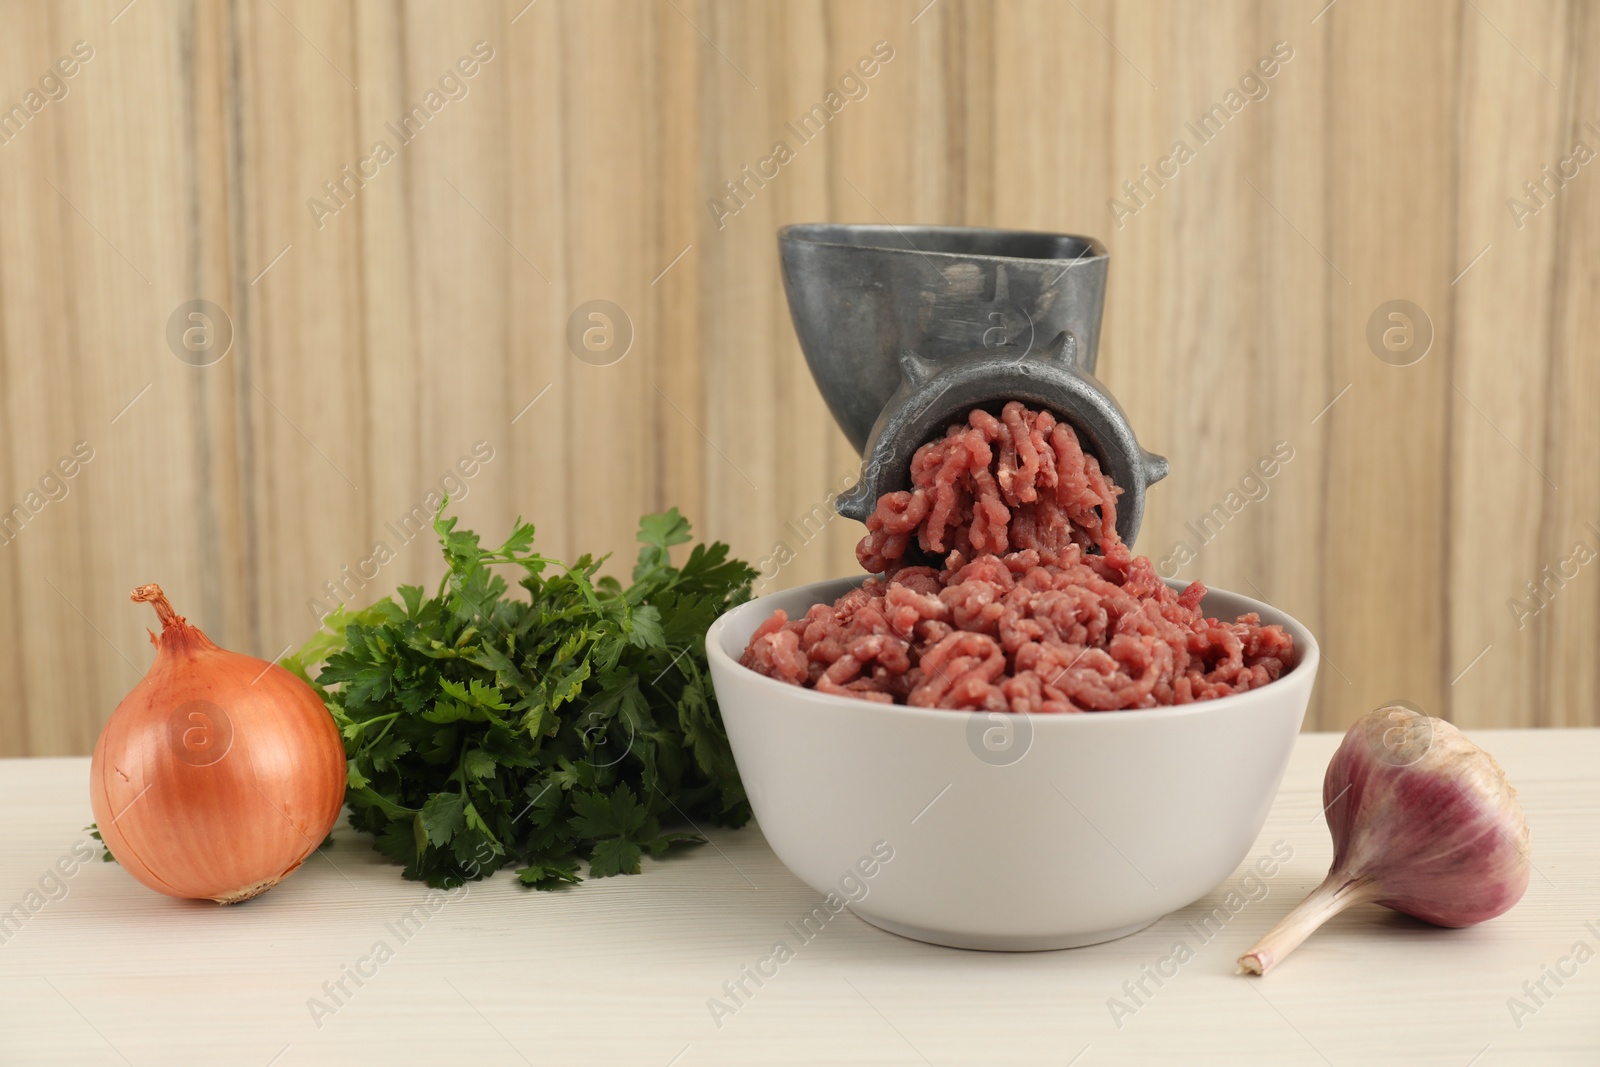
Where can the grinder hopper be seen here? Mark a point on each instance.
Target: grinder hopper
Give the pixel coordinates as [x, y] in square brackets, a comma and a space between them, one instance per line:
[906, 329]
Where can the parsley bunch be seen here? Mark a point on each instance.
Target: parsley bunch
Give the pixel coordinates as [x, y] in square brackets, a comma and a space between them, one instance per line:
[484, 729]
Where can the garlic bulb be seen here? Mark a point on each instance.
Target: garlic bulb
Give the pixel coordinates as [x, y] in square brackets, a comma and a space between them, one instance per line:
[1423, 821]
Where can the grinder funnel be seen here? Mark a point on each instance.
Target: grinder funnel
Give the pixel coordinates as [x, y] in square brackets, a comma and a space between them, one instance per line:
[908, 328]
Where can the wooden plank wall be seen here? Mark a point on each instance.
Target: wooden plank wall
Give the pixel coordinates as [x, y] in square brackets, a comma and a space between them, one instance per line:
[374, 346]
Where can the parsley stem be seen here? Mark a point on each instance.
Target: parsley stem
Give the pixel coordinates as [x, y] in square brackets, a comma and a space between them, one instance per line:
[385, 731]
[389, 718]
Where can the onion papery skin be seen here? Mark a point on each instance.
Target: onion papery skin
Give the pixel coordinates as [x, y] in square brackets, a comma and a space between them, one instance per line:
[218, 774]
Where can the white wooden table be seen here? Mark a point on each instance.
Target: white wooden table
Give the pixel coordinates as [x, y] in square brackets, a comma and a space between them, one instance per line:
[621, 970]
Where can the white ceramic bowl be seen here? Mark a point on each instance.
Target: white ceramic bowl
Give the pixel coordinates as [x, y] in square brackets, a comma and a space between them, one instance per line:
[1007, 832]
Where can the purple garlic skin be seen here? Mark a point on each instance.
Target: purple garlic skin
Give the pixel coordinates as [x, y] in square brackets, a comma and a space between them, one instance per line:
[1426, 818]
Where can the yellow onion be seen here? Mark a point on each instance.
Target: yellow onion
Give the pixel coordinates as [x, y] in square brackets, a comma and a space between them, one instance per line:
[219, 773]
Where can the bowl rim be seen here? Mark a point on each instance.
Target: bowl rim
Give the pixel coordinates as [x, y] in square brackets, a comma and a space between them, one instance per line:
[1303, 672]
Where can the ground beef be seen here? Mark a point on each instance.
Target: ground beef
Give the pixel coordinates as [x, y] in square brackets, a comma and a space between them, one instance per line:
[1001, 584]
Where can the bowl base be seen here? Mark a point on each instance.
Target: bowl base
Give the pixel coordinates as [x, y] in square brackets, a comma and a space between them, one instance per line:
[999, 942]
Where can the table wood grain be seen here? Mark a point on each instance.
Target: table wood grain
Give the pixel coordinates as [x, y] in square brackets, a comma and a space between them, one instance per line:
[621, 971]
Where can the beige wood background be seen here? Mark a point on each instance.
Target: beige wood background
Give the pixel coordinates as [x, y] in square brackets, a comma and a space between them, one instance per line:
[369, 353]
